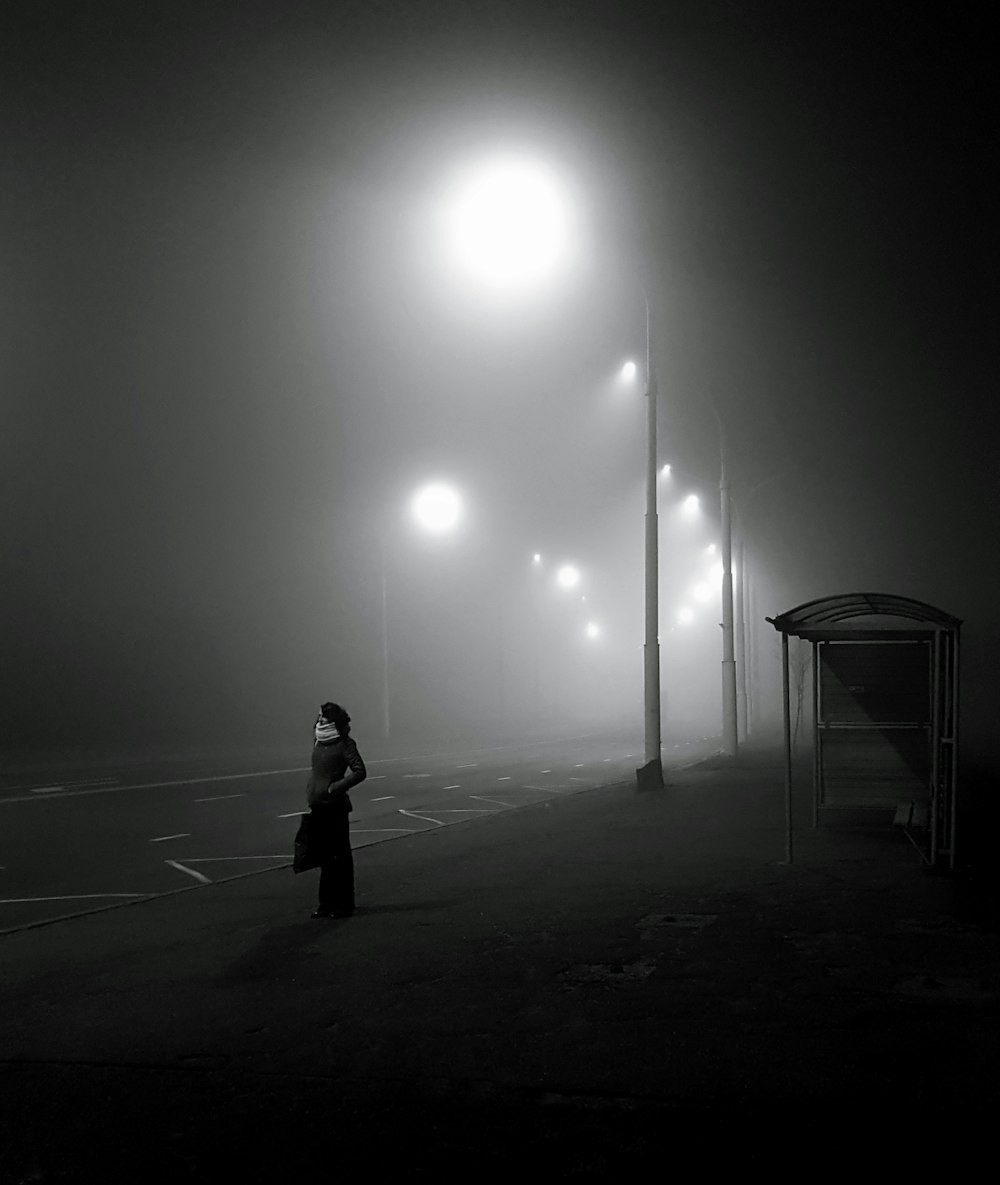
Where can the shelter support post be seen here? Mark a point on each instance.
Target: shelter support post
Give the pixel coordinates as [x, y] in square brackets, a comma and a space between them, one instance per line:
[788, 748]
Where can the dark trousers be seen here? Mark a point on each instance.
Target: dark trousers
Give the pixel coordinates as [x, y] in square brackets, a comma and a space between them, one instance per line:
[336, 873]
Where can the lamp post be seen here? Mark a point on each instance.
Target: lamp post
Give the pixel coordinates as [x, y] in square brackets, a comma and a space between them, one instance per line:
[730, 742]
[508, 222]
[649, 776]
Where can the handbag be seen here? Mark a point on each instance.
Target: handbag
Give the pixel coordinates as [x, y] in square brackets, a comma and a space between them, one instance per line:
[307, 848]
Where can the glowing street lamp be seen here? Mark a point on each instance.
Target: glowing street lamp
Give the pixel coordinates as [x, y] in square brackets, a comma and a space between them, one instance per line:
[508, 222]
[437, 508]
[568, 576]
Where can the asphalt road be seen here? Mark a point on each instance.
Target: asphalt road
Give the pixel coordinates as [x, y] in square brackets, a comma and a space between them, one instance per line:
[90, 839]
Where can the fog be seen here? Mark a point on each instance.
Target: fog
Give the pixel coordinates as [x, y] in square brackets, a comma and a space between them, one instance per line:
[232, 351]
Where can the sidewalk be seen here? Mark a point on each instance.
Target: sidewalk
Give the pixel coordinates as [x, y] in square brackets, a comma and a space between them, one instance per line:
[578, 988]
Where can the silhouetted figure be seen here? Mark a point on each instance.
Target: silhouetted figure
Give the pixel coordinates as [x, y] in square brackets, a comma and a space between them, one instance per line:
[336, 767]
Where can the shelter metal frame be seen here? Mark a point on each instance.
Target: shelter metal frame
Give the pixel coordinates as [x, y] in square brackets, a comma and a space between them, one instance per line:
[877, 619]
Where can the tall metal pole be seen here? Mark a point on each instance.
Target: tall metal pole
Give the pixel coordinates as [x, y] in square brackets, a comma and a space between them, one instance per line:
[385, 644]
[729, 742]
[742, 718]
[650, 775]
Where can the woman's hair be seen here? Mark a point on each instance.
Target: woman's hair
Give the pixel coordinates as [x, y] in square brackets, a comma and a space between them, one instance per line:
[338, 716]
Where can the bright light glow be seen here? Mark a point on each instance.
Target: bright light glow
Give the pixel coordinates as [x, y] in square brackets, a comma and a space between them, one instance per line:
[509, 222]
[536, 558]
[701, 592]
[568, 576]
[691, 504]
[710, 550]
[593, 629]
[665, 470]
[629, 371]
[437, 508]
[685, 615]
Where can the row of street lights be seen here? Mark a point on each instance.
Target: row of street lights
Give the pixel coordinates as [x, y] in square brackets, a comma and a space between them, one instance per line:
[509, 224]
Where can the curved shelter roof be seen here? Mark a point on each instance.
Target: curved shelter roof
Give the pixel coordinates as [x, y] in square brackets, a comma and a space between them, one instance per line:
[851, 607]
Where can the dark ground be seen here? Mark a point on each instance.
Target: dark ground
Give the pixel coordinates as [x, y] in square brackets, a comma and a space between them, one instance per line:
[609, 984]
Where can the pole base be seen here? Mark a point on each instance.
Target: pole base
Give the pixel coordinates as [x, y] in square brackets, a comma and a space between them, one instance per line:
[650, 775]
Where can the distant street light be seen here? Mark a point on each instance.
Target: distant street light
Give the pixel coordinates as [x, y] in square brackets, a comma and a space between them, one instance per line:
[568, 576]
[436, 508]
[593, 630]
[628, 371]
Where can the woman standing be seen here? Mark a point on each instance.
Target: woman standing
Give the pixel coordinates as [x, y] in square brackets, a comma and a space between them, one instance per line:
[336, 767]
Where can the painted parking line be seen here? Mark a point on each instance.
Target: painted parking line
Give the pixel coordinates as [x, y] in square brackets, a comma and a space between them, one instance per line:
[416, 775]
[219, 797]
[292, 814]
[164, 838]
[384, 798]
[375, 777]
[69, 897]
[467, 765]
[219, 859]
[380, 830]
[457, 786]
[198, 876]
[425, 818]
[545, 771]
[505, 778]
[63, 786]
[484, 798]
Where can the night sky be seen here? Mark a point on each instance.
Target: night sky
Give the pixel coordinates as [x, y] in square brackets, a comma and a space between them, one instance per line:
[228, 354]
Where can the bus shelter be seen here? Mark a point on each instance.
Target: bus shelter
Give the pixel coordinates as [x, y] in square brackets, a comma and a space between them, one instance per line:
[885, 714]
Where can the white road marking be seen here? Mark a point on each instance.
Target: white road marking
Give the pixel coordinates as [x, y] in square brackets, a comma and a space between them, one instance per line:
[457, 786]
[194, 781]
[216, 859]
[607, 759]
[575, 779]
[379, 830]
[545, 771]
[468, 765]
[219, 797]
[69, 897]
[198, 876]
[467, 810]
[426, 818]
[374, 777]
[67, 785]
[179, 835]
[505, 778]
[384, 798]
[416, 775]
[484, 798]
[544, 789]
[292, 814]
[579, 765]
